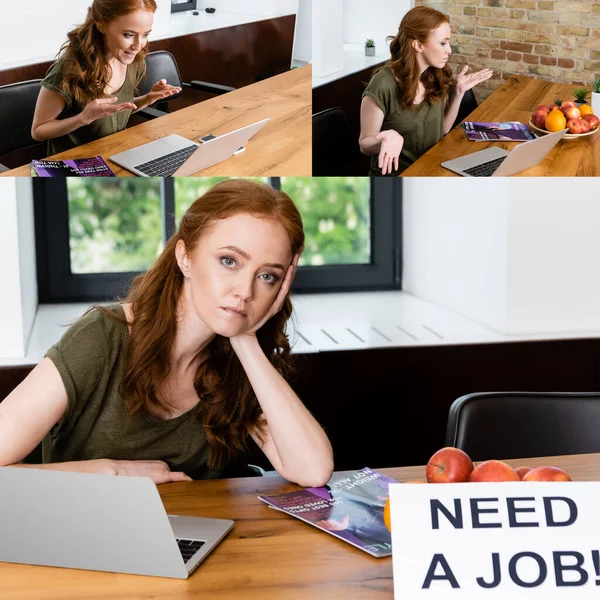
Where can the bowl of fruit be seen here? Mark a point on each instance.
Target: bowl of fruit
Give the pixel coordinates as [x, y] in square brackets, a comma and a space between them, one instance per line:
[452, 465]
[579, 120]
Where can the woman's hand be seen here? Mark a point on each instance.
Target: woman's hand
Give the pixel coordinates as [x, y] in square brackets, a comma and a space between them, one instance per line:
[279, 300]
[465, 82]
[103, 107]
[157, 470]
[160, 90]
[391, 146]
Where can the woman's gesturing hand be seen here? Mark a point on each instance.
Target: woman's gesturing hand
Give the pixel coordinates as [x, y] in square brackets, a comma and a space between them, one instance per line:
[160, 90]
[157, 470]
[103, 107]
[391, 146]
[465, 82]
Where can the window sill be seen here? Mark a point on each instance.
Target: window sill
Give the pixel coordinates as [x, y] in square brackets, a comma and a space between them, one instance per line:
[330, 322]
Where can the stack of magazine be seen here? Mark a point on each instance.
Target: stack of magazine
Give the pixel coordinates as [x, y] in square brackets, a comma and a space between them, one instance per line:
[507, 131]
[349, 507]
[75, 167]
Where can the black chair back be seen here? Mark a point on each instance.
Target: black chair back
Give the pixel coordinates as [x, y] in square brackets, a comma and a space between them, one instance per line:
[505, 425]
[335, 150]
[17, 105]
[161, 65]
[467, 105]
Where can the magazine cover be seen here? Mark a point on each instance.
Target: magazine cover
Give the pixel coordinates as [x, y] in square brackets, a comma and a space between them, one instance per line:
[507, 131]
[78, 167]
[349, 507]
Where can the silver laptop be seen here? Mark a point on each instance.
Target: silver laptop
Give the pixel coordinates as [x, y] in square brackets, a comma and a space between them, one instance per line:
[176, 155]
[497, 162]
[98, 522]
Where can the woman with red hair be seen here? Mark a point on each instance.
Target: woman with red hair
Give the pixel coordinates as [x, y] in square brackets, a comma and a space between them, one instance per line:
[89, 92]
[171, 383]
[413, 99]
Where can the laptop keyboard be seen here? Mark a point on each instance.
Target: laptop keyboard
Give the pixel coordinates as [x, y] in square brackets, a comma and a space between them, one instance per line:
[485, 169]
[166, 165]
[188, 548]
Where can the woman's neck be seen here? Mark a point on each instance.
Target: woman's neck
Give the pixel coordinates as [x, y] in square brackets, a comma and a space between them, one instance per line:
[191, 338]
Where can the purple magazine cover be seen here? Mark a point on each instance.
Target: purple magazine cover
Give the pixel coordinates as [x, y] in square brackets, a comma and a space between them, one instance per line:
[349, 507]
[78, 167]
[480, 131]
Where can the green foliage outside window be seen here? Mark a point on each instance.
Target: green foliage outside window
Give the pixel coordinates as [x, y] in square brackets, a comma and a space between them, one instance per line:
[116, 225]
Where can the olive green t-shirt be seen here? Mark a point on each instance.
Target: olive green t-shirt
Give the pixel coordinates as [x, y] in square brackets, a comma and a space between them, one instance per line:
[98, 128]
[90, 358]
[421, 126]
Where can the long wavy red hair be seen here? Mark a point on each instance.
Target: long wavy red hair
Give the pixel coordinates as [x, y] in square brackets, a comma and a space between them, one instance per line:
[228, 407]
[86, 73]
[417, 24]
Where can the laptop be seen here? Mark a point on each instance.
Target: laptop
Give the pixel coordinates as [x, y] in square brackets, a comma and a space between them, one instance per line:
[176, 155]
[497, 162]
[98, 522]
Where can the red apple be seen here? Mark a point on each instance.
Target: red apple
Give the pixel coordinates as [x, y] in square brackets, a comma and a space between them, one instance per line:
[543, 107]
[593, 120]
[572, 112]
[493, 470]
[449, 465]
[522, 471]
[554, 107]
[585, 126]
[567, 104]
[575, 125]
[538, 118]
[546, 474]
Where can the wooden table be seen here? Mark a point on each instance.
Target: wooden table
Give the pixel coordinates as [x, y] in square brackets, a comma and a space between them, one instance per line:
[268, 554]
[515, 101]
[281, 147]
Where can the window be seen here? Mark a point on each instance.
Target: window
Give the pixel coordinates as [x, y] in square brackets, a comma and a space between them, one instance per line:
[181, 5]
[93, 235]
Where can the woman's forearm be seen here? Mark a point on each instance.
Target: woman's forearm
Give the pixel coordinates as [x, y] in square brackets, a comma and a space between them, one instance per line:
[451, 111]
[303, 449]
[141, 102]
[370, 145]
[102, 465]
[56, 128]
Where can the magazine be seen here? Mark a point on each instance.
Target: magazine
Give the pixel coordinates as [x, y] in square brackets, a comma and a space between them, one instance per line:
[77, 167]
[508, 131]
[349, 507]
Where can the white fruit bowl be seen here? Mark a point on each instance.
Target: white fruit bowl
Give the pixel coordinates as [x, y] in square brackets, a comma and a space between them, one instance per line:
[567, 136]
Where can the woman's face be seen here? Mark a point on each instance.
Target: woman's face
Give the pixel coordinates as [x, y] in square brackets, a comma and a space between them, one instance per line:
[126, 35]
[436, 51]
[232, 277]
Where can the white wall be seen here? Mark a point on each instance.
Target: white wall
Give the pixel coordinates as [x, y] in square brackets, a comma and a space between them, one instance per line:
[303, 35]
[327, 37]
[262, 8]
[519, 256]
[18, 301]
[376, 19]
[34, 31]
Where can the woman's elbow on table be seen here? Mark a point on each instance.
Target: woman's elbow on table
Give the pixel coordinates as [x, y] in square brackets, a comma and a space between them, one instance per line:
[316, 477]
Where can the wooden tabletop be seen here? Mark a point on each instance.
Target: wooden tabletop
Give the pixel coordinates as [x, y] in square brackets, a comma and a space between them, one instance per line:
[515, 101]
[268, 554]
[281, 147]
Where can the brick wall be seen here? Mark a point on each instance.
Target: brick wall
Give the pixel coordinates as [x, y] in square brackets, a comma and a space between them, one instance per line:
[555, 40]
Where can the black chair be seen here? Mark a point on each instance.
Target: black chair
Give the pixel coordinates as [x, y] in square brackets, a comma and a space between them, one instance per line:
[467, 105]
[505, 425]
[17, 105]
[335, 150]
[162, 65]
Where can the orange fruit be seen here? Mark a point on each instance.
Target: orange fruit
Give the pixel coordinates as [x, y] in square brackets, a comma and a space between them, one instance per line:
[586, 109]
[556, 121]
[386, 515]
